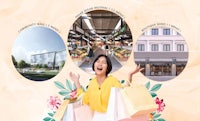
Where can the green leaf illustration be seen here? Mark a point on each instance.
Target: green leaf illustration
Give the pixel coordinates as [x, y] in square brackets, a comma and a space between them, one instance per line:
[147, 85]
[53, 120]
[59, 85]
[153, 94]
[51, 114]
[122, 81]
[74, 87]
[156, 116]
[64, 92]
[69, 85]
[156, 87]
[47, 119]
[160, 119]
[153, 113]
[67, 97]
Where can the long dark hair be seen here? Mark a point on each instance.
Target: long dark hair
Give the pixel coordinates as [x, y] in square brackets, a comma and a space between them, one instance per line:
[108, 61]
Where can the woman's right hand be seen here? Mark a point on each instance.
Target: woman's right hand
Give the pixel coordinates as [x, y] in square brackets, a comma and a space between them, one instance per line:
[75, 78]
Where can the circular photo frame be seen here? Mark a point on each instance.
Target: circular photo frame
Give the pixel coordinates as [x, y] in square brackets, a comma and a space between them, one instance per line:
[99, 32]
[162, 52]
[38, 53]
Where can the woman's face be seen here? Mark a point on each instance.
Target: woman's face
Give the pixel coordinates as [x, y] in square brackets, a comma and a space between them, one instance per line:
[100, 66]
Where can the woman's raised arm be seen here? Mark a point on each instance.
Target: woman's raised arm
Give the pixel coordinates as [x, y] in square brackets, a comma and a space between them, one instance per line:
[137, 69]
[75, 78]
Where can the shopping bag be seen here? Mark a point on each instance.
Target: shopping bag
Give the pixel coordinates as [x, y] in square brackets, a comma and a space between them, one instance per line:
[83, 113]
[134, 103]
[117, 106]
[70, 112]
[61, 111]
[66, 111]
[140, 99]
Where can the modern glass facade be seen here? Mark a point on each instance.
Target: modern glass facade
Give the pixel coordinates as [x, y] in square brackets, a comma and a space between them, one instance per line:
[51, 59]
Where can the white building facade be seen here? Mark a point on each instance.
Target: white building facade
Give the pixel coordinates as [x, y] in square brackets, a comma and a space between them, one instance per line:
[162, 52]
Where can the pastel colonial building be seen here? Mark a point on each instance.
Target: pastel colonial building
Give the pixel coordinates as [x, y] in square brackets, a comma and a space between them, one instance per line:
[163, 53]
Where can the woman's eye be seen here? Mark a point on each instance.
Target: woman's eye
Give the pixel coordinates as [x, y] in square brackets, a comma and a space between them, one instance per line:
[104, 62]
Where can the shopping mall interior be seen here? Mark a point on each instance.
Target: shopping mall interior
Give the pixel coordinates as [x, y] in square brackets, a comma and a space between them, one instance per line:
[106, 32]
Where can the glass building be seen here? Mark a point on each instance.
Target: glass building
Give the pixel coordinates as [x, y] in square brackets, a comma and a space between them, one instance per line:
[51, 59]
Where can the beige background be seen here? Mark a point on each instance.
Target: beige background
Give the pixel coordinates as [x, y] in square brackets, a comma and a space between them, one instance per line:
[24, 100]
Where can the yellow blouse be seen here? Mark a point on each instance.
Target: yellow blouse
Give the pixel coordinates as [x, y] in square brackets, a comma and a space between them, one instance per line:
[97, 97]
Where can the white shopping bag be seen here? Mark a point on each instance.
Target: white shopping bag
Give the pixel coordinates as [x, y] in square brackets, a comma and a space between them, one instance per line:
[83, 113]
[69, 113]
[131, 102]
[58, 116]
[117, 106]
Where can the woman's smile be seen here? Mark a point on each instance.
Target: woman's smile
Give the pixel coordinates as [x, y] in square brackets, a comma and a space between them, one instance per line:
[100, 66]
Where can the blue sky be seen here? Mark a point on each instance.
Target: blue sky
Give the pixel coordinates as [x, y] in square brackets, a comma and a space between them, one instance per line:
[35, 40]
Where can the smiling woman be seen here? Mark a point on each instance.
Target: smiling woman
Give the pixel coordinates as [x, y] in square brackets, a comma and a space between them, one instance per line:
[102, 64]
[98, 92]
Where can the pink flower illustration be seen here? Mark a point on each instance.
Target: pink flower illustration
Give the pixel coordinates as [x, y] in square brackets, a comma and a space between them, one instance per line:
[160, 104]
[73, 94]
[54, 102]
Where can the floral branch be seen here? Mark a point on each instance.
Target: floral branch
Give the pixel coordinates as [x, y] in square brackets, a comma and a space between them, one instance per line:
[155, 116]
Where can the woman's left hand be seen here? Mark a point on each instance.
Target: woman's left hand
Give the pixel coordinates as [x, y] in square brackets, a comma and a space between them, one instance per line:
[137, 69]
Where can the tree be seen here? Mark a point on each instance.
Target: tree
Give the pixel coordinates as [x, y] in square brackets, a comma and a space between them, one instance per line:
[63, 63]
[44, 66]
[23, 64]
[37, 66]
[14, 61]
